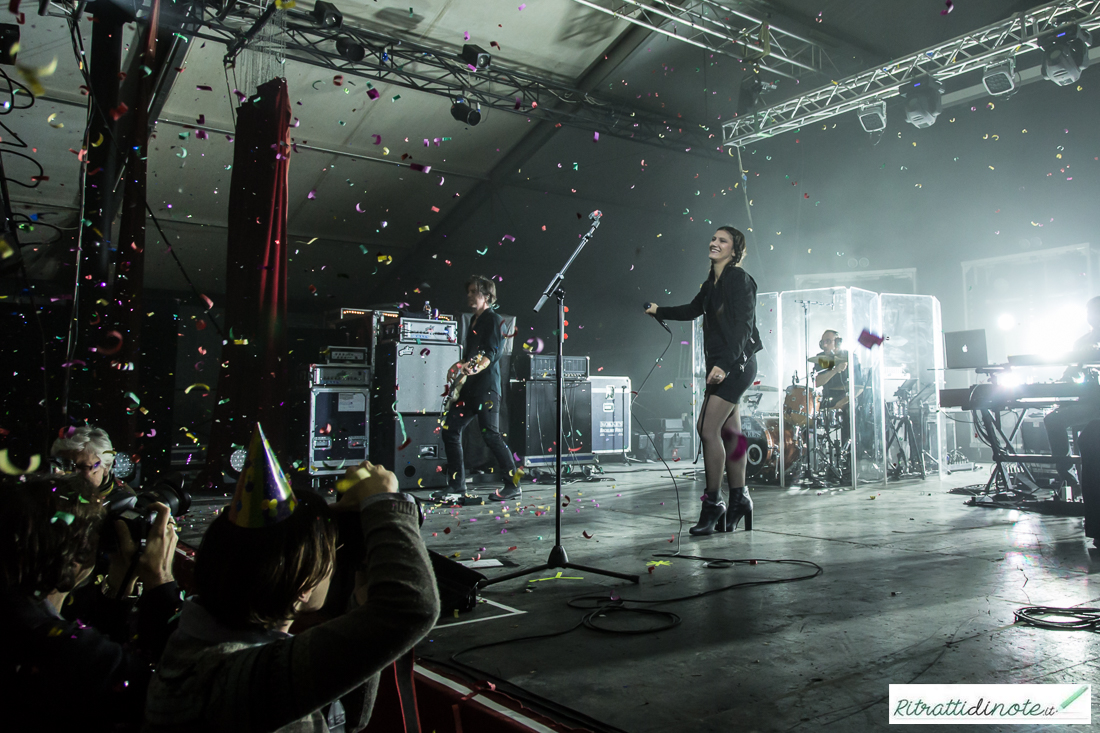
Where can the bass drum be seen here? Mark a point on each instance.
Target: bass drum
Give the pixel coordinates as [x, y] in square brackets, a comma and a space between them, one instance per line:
[762, 435]
[795, 405]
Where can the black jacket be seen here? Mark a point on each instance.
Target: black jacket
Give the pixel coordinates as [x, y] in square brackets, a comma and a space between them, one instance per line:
[65, 675]
[486, 335]
[728, 308]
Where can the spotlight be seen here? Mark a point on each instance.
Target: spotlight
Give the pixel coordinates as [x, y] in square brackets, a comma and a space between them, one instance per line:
[476, 56]
[123, 466]
[873, 116]
[1006, 322]
[464, 113]
[923, 102]
[237, 459]
[349, 49]
[1065, 54]
[748, 96]
[326, 15]
[1000, 76]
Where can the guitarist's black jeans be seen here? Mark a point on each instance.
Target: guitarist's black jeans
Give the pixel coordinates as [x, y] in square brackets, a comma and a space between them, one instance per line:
[487, 412]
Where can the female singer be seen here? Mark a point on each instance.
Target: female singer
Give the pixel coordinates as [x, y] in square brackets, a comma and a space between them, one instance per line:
[727, 302]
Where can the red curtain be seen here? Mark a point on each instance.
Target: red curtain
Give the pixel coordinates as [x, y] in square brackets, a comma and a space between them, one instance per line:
[253, 375]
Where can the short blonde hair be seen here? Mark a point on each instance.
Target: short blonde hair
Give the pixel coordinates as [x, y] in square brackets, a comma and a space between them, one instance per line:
[87, 437]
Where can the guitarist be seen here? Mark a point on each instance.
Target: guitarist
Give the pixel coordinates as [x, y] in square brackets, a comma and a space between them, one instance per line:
[480, 393]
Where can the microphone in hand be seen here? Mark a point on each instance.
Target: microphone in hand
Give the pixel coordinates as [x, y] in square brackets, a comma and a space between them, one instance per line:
[664, 325]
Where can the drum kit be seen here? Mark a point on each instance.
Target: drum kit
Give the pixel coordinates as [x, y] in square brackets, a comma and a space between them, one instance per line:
[814, 442]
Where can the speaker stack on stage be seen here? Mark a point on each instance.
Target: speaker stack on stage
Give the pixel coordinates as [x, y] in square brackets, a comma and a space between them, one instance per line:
[596, 412]
[410, 378]
[339, 400]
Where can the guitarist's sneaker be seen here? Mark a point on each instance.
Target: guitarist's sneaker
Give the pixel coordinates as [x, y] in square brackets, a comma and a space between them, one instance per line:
[506, 493]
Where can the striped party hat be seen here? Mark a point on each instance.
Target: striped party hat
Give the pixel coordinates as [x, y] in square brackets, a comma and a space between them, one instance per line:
[264, 496]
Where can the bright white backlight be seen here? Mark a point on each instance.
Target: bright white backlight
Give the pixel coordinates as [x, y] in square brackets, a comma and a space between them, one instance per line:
[1006, 322]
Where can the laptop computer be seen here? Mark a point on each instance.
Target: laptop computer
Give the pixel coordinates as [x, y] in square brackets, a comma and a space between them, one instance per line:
[965, 349]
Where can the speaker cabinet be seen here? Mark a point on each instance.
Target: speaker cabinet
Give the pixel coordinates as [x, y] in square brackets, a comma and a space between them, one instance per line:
[533, 419]
[338, 428]
[415, 454]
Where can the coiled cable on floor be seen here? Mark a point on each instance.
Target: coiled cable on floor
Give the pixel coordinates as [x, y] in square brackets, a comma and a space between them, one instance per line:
[1077, 619]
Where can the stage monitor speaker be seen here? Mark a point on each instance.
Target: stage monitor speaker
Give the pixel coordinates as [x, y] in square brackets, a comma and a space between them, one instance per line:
[412, 378]
[533, 421]
[415, 454]
[610, 428]
[338, 428]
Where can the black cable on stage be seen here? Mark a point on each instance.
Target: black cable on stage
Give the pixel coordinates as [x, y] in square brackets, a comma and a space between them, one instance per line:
[601, 606]
[652, 442]
[1079, 618]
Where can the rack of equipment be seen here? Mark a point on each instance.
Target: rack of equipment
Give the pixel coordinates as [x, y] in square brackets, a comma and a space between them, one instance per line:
[410, 381]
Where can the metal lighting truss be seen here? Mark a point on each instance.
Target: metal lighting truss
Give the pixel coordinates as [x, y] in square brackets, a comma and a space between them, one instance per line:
[1011, 37]
[407, 64]
[721, 29]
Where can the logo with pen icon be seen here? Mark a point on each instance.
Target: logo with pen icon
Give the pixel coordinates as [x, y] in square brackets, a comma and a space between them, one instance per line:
[1067, 704]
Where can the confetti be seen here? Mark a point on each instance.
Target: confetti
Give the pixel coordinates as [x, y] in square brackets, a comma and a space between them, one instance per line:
[205, 387]
[869, 339]
[739, 449]
[33, 74]
[6, 466]
[668, 386]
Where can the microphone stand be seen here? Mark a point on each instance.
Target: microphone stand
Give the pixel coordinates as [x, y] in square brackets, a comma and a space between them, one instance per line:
[558, 557]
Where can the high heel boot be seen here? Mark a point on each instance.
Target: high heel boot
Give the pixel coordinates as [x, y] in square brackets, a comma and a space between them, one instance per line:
[740, 505]
[712, 517]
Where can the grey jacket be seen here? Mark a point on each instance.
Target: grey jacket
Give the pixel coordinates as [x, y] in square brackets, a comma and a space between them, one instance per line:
[212, 678]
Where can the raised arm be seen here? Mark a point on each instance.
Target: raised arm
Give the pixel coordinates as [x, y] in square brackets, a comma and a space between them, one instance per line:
[688, 312]
[290, 679]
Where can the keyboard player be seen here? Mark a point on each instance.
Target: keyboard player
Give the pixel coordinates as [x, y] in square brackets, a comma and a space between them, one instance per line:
[1074, 415]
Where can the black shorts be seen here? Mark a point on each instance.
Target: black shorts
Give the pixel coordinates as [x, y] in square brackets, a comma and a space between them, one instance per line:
[733, 387]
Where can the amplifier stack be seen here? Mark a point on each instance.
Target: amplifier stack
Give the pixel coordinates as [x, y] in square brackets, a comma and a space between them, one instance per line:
[410, 378]
[339, 400]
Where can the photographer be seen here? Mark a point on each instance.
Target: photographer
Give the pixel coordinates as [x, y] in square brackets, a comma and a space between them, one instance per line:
[49, 533]
[268, 558]
[87, 450]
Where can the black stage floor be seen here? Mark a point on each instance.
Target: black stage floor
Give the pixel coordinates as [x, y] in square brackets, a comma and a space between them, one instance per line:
[916, 588]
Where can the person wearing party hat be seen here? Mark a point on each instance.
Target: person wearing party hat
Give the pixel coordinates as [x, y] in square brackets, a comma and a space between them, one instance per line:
[266, 559]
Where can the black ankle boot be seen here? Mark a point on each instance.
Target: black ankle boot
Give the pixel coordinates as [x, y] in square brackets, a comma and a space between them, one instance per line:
[712, 517]
[740, 506]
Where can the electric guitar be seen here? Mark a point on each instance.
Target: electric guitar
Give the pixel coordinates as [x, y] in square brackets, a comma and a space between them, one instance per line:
[454, 386]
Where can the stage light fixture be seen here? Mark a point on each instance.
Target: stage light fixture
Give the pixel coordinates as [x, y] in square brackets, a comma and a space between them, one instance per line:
[464, 113]
[1000, 76]
[123, 466]
[476, 56]
[750, 91]
[923, 102]
[237, 459]
[873, 116]
[1065, 54]
[349, 49]
[326, 15]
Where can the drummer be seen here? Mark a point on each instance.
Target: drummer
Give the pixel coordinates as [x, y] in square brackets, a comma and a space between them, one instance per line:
[831, 371]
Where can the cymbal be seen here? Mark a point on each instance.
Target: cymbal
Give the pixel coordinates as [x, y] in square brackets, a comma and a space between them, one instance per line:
[762, 388]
